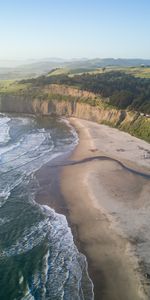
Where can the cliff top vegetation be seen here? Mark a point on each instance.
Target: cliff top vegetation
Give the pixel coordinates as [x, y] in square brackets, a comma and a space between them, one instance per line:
[121, 90]
[118, 88]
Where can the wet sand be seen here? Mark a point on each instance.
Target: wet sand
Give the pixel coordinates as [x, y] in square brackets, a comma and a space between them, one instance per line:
[102, 202]
[93, 191]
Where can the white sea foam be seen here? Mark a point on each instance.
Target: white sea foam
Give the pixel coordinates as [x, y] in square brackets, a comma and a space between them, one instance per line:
[24, 171]
[5, 192]
[72, 130]
[25, 120]
[21, 279]
[62, 268]
[7, 148]
[4, 220]
[22, 158]
[4, 130]
[4, 120]
[28, 295]
[29, 239]
[28, 147]
[64, 254]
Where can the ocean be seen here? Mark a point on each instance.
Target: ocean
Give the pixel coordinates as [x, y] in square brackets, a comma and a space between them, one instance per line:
[38, 257]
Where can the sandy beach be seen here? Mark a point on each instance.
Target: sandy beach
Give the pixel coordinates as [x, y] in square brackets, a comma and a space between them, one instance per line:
[109, 207]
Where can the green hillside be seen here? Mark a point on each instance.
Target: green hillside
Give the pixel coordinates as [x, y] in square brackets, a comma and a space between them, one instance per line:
[119, 89]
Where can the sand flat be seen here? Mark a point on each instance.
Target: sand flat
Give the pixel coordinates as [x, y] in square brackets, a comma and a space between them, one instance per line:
[110, 207]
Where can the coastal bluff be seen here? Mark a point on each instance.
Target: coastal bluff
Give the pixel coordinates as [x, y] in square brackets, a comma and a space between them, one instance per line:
[72, 102]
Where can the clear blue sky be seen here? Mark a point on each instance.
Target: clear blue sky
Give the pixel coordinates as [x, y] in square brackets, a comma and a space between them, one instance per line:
[78, 28]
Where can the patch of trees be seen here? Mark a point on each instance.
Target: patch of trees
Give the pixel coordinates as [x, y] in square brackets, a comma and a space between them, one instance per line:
[123, 90]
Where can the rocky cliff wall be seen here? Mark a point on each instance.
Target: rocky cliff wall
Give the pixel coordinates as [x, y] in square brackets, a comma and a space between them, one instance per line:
[127, 121]
[22, 104]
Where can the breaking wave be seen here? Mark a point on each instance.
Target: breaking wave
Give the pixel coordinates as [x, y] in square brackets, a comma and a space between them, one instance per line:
[38, 257]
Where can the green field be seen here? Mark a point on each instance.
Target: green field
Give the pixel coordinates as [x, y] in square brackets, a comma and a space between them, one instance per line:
[11, 86]
[142, 72]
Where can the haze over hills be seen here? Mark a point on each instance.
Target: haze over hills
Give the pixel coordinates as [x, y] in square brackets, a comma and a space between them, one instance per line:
[74, 150]
[18, 69]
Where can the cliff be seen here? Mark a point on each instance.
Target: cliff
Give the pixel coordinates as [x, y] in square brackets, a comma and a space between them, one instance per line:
[68, 101]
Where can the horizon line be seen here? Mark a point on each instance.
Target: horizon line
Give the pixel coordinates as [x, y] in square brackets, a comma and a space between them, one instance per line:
[72, 58]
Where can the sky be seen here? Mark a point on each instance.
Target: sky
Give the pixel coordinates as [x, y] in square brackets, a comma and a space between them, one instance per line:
[35, 29]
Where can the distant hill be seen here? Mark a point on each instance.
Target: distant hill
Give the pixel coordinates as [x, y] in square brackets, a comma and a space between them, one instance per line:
[33, 68]
[98, 63]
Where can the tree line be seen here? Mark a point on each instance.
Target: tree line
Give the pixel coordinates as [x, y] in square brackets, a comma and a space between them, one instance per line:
[122, 90]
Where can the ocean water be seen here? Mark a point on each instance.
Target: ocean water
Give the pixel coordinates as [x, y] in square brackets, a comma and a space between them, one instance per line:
[38, 257]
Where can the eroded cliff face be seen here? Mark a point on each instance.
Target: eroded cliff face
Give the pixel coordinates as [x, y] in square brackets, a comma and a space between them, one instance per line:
[69, 91]
[23, 104]
[131, 122]
[16, 104]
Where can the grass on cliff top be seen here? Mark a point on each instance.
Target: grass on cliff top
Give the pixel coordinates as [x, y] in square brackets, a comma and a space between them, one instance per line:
[13, 87]
[70, 72]
[58, 71]
[16, 88]
[142, 72]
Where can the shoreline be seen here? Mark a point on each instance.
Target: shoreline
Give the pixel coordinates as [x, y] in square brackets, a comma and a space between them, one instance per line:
[112, 267]
[112, 263]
